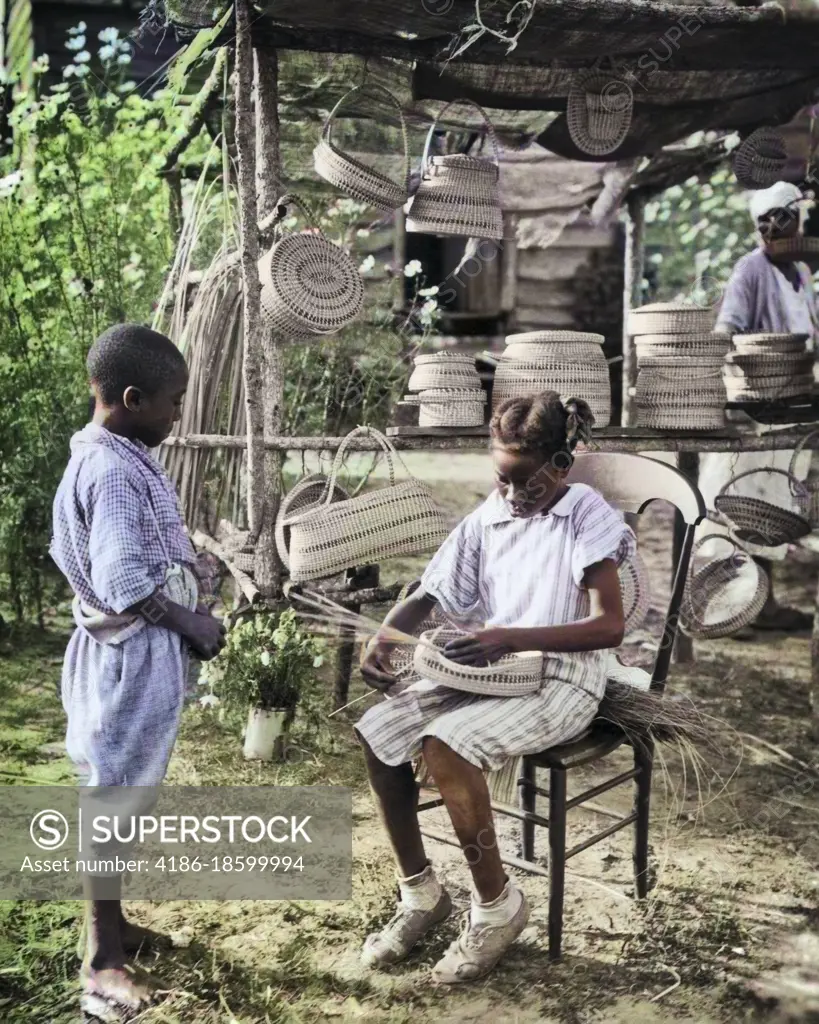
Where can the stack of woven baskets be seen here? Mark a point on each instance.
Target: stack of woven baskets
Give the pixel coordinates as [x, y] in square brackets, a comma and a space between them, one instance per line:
[448, 390]
[768, 368]
[568, 362]
[680, 359]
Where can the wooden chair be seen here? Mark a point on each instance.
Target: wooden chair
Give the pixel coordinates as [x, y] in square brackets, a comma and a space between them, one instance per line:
[629, 483]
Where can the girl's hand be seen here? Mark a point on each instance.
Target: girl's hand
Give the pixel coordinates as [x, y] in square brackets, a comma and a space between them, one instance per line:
[376, 667]
[480, 648]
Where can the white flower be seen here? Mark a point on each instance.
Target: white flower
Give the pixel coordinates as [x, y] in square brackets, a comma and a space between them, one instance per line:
[426, 292]
[210, 700]
[427, 312]
[108, 35]
[362, 233]
[41, 64]
[413, 268]
[10, 183]
[264, 658]
[367, 265]
[318, 661]
[69, 71]
[75, 288]
[124, 58]
[83, 58]
[81, 70]
[78, 29]
[107, 53]
[77, 43]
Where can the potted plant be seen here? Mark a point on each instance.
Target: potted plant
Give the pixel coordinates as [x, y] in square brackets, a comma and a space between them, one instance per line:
[268, 663]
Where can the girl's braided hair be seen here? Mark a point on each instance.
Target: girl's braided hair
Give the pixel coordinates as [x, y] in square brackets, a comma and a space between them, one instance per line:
[542, 425]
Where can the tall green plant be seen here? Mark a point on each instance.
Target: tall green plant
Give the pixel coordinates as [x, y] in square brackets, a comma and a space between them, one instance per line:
[84, 243]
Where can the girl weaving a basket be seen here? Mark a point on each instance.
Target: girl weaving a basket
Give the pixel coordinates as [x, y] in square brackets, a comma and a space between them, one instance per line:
[537, 562]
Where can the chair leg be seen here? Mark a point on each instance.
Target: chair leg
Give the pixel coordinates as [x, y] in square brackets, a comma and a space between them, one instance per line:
[557, 858]
[528, 802]
[644, 761]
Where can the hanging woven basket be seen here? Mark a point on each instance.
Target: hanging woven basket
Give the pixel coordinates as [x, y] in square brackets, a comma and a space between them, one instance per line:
[400, 519]
[598, 112]
[351, 176]
[513, 676]
[309, 285]
[444, 370]
[725, 596]
[760, 159]
[759, 522]
[307, 493]
[458, 194]
[670, 318]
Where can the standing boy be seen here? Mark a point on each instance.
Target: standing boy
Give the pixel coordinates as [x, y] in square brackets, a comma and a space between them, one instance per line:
[120, 541]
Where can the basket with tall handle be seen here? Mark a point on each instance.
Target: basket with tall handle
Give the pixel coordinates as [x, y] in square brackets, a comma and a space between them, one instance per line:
[458, 194]
[400, 519]
[760, 522]
[724, 596]
[351, 176]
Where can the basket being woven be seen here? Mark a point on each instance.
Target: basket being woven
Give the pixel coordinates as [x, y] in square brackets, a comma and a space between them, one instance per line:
[760, 522]
[304, 494]
[724, 596]
[598, 112]
[513, 676]
[354, 178]
[760, 159]
[458, 194]
[670, 318]
[400, 519]
[309, 285]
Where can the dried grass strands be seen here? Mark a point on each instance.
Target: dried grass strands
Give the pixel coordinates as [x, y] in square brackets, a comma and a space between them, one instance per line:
[665, 718]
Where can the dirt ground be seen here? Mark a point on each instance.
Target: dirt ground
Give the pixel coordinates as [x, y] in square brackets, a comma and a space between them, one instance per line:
[727, 935]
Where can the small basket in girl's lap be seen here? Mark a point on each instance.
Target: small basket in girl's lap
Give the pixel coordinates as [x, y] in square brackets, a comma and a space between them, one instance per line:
[310, 286]
[400, 519]
[760, 522]
[352, 177]
[515, 675]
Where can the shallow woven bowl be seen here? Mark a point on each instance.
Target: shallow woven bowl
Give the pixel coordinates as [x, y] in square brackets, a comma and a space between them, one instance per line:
[670, 318]
[723, 597]
[304, 494]
[309, 286]
[513, 676]
[760, 159]
[555, 338]
[598, 113]
[759, 522]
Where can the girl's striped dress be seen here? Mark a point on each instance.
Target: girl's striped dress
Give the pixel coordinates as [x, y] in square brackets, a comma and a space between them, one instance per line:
[510, 572]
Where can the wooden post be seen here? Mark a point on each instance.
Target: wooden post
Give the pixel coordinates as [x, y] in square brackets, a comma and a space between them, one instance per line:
[688, 464]
[249, 252]
[268, 568]
[632, 297]
[344, 662]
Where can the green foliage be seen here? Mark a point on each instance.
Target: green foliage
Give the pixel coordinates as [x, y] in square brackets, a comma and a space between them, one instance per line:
[268, 661]
[698, 231]
[85, 241]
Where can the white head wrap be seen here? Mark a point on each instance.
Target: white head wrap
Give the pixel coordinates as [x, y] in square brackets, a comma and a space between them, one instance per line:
[777, 197]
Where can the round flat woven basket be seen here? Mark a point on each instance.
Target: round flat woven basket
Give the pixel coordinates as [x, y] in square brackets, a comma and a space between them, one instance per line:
[351, 176]
[760, 159]
[555, 338]
[598, 112]
[670, 318]
[635, 591]
[309, 285]
[724, 596]
[447, 407]
[307, 493]
[458, 194]
[513, 676]
[760, 522]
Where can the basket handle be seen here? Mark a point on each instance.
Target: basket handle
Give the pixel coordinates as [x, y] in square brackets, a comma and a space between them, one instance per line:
[291, 199]
[489, 131]
[389, 450]
[382, 94]
[797, 452]
[799, 490]
[738, 549]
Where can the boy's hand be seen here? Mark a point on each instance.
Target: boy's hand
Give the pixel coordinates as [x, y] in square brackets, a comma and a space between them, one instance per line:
[481, 648]
[206, 635]
[376, 668]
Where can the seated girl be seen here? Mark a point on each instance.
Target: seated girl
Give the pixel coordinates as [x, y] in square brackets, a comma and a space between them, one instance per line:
[537, 561]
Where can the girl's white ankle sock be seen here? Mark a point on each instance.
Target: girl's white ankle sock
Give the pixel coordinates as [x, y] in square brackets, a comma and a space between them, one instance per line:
[499, 911]
[420, 892]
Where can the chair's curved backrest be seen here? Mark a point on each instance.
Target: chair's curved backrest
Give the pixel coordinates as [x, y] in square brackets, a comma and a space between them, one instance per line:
[629, 482]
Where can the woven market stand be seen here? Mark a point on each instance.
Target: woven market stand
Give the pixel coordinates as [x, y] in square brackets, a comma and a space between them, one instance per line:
[731, 69]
